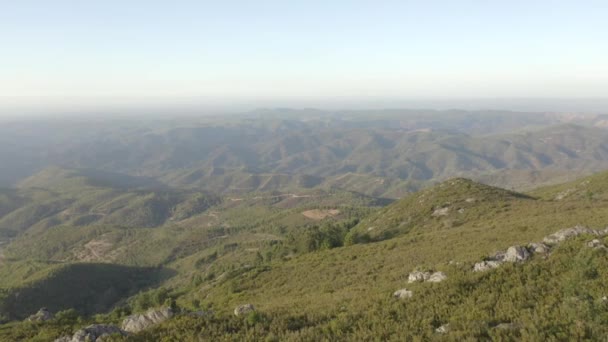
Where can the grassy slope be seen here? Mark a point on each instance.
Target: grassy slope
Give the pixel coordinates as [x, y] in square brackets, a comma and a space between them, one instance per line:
[352, 285]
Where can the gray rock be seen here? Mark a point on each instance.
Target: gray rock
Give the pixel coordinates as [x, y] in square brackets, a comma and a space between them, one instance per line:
[244, 309]
[470, 200]
[138, 322]
[441, 212]
[437, 277]
[444, 329]
[418, 276]
[595, 243]
[486, 265]
[42, 315]
[92, 333]
[403, 294]
[64, 339]
[568, 233]
[516, 254]
[538, 248]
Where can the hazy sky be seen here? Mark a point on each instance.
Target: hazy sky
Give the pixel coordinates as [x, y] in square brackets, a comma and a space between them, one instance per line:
[308, 48]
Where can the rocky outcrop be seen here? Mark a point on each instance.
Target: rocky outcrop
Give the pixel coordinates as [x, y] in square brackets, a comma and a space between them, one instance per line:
[538, 248]
[139, 322]
[516, 254]
[441, 212]
[485, 265]
[569, 233]
[596, 243]
[403, 294]
[512, 254]
[521, 254]
[418, 276]
[243, 309]
[42, 315]
[92, 333]
[444, 329]
[437, 277]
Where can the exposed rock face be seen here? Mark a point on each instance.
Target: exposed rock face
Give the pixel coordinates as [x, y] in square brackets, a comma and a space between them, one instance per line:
[441, 212]
[42, 315]
[139, 322]
[403, 294]
[92, 333]
[444, 329]
[437, 277]
[486, 265]
[244, 309]
[516, 254]
[568, 233]
[418, 276]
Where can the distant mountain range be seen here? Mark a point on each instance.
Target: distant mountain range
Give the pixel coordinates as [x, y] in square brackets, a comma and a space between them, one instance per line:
[380, 153]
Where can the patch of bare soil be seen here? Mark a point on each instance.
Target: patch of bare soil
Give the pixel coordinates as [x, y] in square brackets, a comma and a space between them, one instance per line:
[319, 214]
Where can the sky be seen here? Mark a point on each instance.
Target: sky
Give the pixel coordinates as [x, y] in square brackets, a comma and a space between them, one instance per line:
[227, 50]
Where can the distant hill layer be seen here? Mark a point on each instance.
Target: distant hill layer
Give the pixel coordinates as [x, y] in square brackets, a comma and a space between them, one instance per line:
[382, 154]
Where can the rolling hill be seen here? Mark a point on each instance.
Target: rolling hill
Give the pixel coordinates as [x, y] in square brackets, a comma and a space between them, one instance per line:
[280, 253]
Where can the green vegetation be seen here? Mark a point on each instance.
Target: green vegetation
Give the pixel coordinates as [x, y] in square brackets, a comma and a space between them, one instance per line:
[300, 226]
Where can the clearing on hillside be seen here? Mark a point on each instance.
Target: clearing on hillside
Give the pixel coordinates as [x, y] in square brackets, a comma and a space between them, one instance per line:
[319, 214]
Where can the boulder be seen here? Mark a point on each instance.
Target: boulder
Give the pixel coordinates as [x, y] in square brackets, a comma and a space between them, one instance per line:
[516, 254]
[441, 212]
[403, 294]
[444, 329]
[243, 309]
[64, 339]
[437, 277]
[486, 265]
[92, 333]
[538, 248]
[418, 276]
[595, 243]
[138, 322]
[42, 315]
[568, 233]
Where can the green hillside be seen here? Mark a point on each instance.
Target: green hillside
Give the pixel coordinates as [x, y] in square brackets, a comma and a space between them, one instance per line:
[324, 265]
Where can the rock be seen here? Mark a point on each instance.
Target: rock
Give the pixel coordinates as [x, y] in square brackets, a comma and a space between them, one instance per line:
[441, 212]
[42, 315]
[486, 265]
[92, 333]
[444, 329]
[516, 254]
[461, 211]
[498, 256]
[63, 339]
[437, 277]
[138, 322]
[418, 276]
[595, 243]
[538, 248]
[403, 294]
[568, 233]
[470, 200]
[244, 309]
